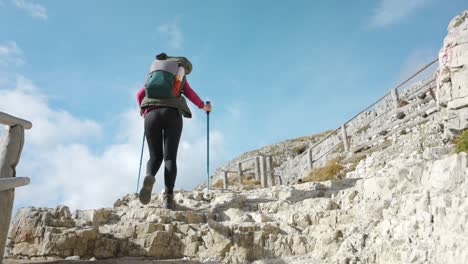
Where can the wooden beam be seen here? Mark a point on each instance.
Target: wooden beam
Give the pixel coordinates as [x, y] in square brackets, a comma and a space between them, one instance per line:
[395, 99]
[423, 89]
[310, 158]
[239, 171]
[11, 183]
[257, 168]
[345, 138]
[10, 120]
[408, 125]
[413, 104]
[271, 177]
[225, 180]
[264, 177]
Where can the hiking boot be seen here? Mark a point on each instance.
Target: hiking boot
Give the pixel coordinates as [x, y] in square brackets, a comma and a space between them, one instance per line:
[168, 201]
[145, 192]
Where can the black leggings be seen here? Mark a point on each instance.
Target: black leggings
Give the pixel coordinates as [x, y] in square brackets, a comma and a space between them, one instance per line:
[163, 127]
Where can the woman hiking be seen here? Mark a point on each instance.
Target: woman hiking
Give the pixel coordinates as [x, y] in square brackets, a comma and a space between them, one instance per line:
[162, 105]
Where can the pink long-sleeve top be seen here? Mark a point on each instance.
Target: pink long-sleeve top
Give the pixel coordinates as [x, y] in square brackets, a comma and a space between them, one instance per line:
[188, 92]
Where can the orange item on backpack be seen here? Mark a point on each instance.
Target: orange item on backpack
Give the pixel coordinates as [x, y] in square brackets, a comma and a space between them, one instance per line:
[179, 79]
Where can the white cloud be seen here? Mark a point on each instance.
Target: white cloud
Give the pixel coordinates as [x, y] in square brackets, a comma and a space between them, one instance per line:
[51, 126]
[391, 11]
[173, 34]
[64, 167]
[34, 10]
[10, 54]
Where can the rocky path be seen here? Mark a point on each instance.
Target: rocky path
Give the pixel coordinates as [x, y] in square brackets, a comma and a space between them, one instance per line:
[127, 260]
[107, 261]
[415, 212]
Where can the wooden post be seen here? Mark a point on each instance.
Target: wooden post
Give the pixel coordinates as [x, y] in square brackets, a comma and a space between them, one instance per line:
[257, 168]
[279, 179]
[225, 180]
[239, 171]
[11, 145]
[396, 100]
[345, 138]
[271, 176]
[264, 179]
[311, 160]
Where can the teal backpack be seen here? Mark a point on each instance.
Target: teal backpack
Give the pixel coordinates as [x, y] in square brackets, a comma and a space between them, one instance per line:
[162, 82]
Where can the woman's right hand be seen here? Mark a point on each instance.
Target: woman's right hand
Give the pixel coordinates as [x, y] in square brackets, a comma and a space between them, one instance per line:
[207, 107]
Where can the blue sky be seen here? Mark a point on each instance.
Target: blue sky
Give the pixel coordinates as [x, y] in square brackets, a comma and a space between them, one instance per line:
[273, 71]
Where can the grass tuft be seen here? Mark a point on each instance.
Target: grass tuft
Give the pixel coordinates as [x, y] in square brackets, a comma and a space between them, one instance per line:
[250, 181]
[461, 143]
[330, 171]
[232, 180]
[363, 129]
[218, 184]
[298, 150]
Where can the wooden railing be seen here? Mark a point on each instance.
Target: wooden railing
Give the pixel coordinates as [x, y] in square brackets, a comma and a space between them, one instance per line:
[402, 103]
[348, 138]
[11, 145]
[262, 171]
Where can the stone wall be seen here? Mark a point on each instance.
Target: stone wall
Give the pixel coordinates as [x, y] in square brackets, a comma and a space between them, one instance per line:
[453, 75]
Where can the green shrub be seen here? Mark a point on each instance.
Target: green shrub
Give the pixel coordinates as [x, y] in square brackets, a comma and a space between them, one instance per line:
[461, 143]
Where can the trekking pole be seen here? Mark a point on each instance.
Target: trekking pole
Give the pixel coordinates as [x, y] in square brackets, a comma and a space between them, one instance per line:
[141, 159]
[208, 148]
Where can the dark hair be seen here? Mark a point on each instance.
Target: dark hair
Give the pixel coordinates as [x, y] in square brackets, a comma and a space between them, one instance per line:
[161, 56]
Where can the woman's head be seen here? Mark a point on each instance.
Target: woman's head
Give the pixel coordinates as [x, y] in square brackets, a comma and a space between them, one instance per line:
[161, 56]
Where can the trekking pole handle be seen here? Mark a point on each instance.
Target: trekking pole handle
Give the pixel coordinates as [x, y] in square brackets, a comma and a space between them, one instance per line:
[208, 103]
